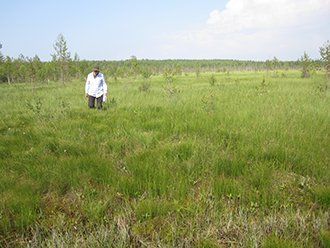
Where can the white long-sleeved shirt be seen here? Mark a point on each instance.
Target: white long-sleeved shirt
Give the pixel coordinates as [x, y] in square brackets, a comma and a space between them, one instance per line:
[95, 86]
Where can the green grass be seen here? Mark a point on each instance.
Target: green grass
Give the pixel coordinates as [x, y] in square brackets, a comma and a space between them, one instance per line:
[237, 163]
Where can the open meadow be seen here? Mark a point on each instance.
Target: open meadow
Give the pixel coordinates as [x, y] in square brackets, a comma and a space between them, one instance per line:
[237, 159]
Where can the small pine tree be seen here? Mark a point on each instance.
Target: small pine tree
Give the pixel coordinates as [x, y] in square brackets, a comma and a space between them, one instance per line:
[268, 65]
[134, 66]
[276, 64]
[1, 56]
[306, 65]
[61, 54]
[169, 75]
[178, 70]
[325, 54]
[198, 69]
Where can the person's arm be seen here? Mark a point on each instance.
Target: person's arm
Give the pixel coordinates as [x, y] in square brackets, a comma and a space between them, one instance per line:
[105, 87]
[86, 87]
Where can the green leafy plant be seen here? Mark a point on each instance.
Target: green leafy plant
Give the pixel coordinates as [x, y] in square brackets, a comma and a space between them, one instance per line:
[137, 111]
[170, 77]
[144, 87]
[212, 80]
[228, 75]
[146, 73]
[208, 101]
[262, 89]
[63, 105]
[35, 106]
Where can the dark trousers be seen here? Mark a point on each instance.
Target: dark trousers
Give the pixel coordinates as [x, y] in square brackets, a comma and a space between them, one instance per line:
[91, 101]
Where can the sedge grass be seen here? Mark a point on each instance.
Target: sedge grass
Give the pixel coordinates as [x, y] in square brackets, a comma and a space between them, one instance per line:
[237, 163]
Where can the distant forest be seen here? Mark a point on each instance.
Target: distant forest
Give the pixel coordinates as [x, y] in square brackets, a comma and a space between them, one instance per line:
[65, 68]
[23, 69]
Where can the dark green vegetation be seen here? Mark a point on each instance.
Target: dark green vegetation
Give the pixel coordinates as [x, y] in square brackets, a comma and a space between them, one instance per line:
[233, 159]
[32, 70]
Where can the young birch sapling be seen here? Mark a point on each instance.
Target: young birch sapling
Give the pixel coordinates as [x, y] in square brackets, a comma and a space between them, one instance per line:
[170, 78]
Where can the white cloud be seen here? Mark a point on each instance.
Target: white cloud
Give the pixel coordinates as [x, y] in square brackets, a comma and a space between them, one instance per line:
[258, 30]
[259, 14]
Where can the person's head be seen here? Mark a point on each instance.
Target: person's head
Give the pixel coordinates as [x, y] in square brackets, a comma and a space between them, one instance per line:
[96, 70]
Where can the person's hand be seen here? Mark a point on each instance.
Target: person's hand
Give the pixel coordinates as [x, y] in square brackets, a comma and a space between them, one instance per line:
[105, 94]
[86, 95]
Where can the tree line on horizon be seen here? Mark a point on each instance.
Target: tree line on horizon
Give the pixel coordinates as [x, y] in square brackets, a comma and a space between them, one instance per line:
[62, 67]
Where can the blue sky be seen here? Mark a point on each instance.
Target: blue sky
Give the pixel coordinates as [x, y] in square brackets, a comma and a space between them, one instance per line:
[155, 29]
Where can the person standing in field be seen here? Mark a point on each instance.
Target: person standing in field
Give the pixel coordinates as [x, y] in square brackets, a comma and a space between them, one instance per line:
[95, 88]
